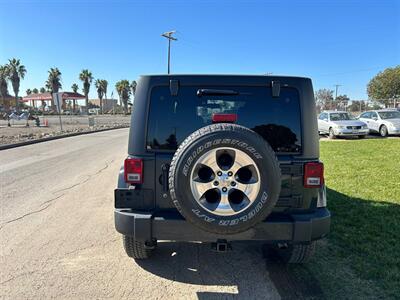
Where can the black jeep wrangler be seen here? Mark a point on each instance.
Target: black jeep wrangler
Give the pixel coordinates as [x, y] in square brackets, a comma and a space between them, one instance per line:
[221, 158]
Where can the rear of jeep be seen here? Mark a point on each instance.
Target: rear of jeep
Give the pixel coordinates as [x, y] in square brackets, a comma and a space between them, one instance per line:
[215, 158]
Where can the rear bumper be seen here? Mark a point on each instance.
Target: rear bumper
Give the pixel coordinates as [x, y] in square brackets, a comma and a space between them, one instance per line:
[296, 228]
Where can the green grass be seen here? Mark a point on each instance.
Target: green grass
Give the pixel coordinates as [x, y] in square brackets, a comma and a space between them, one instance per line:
[361, 257]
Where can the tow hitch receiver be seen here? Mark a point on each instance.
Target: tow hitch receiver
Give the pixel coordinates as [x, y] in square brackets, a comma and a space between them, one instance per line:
[221, 246]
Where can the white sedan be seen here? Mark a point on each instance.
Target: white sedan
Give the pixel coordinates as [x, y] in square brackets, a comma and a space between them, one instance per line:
[340, 123]
[384, 122]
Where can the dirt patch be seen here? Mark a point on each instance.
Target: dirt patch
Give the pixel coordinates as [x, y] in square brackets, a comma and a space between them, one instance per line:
[19, 132]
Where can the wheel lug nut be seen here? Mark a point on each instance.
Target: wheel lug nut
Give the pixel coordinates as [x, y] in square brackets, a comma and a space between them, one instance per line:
[219, 173]
[233, 183]
[216, 183]
[224, 189]
[230, 173]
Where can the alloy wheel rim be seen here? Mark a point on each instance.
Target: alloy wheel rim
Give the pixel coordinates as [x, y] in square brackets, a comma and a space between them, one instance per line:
[225, 181]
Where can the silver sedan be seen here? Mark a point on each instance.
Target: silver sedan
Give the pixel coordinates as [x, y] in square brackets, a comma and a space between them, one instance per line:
[339, 123]
[384, 122]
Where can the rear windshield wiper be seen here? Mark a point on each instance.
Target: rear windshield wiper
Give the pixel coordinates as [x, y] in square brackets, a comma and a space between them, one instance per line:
[212, 92]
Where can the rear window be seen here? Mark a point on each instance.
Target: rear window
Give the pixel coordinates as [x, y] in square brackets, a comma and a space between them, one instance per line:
[173, 118]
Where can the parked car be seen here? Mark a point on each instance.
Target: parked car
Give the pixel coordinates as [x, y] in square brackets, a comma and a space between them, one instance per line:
[218, 158]
[340, 123]
[384, 122]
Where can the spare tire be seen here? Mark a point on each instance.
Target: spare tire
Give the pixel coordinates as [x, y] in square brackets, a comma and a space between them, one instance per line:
[224, 178]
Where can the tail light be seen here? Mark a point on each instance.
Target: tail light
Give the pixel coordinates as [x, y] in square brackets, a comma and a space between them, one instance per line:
[313, 174]
[133, 170]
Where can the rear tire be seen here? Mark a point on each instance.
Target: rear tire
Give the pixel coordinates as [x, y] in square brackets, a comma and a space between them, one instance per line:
[296, 254]
[137, 249]
[361, 136]
[332, 135]
[383, 131]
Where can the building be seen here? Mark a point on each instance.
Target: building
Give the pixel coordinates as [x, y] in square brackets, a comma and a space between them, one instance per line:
[108, 104]
[37, 100]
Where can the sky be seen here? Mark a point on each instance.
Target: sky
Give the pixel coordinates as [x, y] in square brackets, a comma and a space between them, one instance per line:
[333, 42]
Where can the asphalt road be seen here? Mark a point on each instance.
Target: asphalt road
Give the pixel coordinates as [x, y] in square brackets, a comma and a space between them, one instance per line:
[58, 239]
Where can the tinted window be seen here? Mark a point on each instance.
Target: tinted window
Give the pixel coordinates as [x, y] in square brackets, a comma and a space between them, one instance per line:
[173, 118]
[373, 115]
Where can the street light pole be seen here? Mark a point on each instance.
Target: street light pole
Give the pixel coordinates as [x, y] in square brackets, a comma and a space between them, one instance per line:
[169, 36]
[336, 89]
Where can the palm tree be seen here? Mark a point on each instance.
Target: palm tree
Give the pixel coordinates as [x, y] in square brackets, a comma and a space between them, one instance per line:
[42, 90]
[86, 77]
[75, 89]
[28, 91]
[124, 91]
[16, 72]
[3, 82]
[35, 91]
[53, 82]
[104, 83]
[100, 92]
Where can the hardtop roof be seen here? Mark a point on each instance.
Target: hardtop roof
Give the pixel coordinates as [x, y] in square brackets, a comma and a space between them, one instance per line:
[225, 79]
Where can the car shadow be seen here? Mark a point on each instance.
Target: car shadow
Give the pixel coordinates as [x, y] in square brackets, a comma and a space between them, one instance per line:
[249, 266]
[363, 231]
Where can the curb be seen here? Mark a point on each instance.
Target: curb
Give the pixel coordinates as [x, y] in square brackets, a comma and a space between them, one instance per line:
[51, 138]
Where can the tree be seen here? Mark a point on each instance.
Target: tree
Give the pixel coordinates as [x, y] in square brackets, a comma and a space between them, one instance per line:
[3, 82]
[42, 90]
[28, 91]
[104, 83]
[385, 86]
[124, 90]
[16, 72]
[324, 99]
[100, 92]
[53, 82]
[35, 91]
[86, 77]
[342, 101]
[75, 89]
[357, 105]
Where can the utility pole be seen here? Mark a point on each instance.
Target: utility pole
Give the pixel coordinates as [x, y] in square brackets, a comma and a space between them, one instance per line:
[169, 36]
[336, 89]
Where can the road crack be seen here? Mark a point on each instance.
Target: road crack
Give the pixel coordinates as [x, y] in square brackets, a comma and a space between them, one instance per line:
[50, 201]
[26, 215]
[90, 176]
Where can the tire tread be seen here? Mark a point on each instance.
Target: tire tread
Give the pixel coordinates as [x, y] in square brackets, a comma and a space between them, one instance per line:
[200, 133]
[136, 249]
